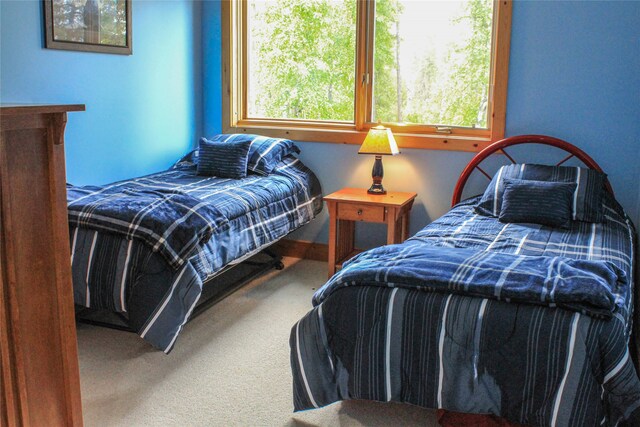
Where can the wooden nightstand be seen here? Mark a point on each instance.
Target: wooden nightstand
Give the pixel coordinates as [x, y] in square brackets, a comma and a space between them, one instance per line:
[354, 204]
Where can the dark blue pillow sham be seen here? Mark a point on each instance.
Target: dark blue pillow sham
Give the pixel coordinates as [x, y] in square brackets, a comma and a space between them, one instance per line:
[587, 197]
[539, 202]
[264, 153]
[224, 159]
[189, 160]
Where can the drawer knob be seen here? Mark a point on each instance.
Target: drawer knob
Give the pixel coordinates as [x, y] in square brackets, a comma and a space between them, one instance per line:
[359, 211]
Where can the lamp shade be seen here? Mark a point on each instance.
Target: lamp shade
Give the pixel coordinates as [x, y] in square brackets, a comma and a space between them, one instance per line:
[379, 141]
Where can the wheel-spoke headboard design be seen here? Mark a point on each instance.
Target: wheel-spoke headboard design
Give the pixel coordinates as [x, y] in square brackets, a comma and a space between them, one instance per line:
[499, 147]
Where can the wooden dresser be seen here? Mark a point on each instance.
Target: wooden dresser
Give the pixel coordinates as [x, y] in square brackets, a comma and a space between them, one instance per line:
[39, 380]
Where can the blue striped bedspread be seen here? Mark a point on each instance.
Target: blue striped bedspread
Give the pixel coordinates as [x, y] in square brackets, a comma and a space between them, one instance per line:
[397, 325]
[594, 288]
[120, 273]
[167, 218]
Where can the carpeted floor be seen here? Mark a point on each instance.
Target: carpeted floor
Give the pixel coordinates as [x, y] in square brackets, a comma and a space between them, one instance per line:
[230, 367]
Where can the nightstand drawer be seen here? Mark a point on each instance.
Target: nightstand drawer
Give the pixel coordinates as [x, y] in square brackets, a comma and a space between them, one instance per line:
[361, 212]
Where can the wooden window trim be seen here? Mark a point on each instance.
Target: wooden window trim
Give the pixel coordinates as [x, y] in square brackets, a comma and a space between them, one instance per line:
[234, 81]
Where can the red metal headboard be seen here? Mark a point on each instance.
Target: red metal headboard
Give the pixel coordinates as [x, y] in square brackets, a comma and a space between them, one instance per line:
[499, 146]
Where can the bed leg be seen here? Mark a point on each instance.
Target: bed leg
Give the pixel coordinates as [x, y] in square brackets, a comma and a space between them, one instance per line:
[276, 259]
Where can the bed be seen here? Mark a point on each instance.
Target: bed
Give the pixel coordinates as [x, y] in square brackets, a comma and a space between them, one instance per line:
[528, 322]
[150, 270]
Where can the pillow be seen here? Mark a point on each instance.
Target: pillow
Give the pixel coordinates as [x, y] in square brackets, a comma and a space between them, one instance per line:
[189, 160]
[587, 197]
[224, 159]
[539, 202]
[265, 153]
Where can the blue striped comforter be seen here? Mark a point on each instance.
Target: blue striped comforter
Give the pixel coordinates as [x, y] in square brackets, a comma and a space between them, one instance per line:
[121, 272]
[441, 335]
[595, 288]
[167, 218]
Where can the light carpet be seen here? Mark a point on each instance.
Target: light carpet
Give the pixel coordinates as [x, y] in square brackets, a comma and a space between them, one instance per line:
[230, 367]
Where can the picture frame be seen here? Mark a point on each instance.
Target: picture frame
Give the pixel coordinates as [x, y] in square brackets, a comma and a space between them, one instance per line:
[102, 26]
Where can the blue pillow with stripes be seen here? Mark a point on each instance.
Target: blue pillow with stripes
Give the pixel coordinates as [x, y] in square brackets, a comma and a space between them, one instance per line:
[538, 202]
[224, 159]
[586, 204]
[265, 153]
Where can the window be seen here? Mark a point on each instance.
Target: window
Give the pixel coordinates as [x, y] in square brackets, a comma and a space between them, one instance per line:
[328, 70]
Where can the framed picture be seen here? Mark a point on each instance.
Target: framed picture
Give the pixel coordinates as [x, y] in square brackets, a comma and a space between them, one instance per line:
[88, 25]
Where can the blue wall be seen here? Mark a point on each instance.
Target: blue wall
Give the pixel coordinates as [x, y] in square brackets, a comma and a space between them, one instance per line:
[211, 66]
[143, 110]
[574, 73]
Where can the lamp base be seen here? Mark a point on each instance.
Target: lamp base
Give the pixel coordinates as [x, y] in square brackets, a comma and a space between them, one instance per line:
[377, 174]
[376, 189]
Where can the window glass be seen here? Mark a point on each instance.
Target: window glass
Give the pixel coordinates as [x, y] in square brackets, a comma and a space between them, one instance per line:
[301, 59]
[432, 62]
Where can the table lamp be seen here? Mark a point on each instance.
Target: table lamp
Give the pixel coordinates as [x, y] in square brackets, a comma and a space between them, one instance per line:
[379, 141]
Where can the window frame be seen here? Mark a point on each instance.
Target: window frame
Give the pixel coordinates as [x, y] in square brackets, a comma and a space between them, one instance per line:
[234, 90]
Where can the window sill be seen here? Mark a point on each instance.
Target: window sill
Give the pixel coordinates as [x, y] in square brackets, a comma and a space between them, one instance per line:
[347, 135]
